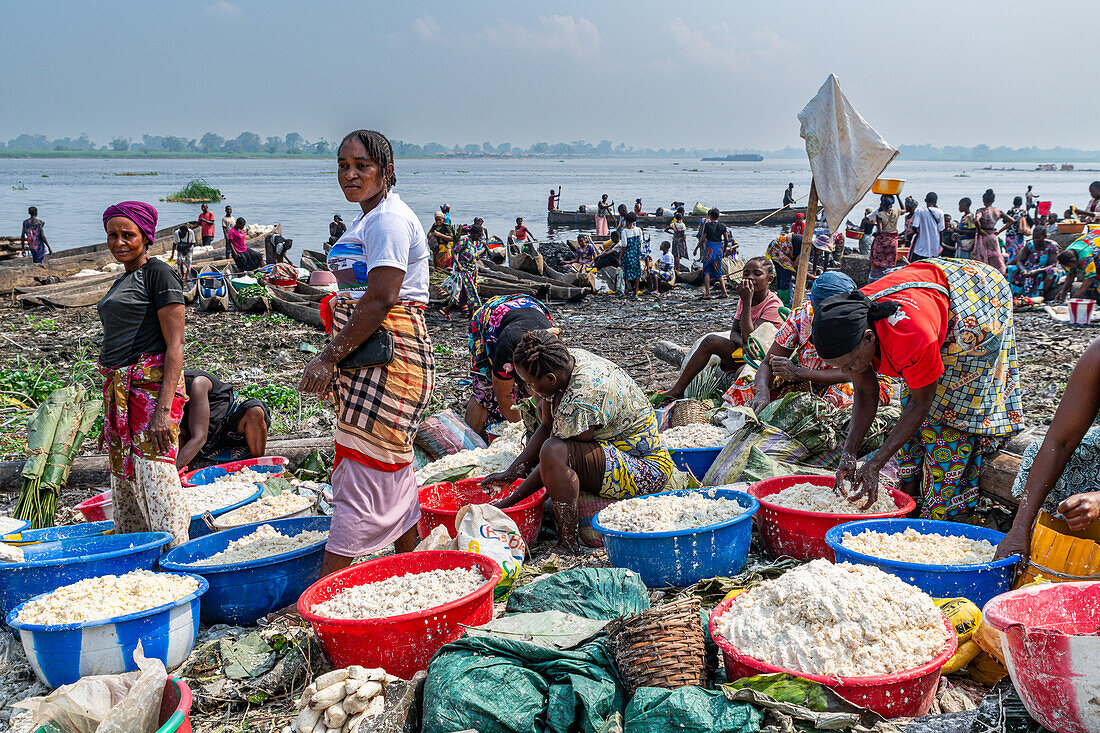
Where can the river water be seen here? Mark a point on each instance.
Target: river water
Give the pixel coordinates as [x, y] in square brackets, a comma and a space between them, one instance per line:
[303, 194]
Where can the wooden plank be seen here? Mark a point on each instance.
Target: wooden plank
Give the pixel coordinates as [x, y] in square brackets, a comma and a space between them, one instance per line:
[998, 474]
[807, 247]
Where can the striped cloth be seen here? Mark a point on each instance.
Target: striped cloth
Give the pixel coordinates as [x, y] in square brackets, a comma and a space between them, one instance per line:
[379, 408]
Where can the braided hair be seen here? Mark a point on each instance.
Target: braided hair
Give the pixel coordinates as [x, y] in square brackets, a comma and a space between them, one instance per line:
[378, 150]
[540, 352]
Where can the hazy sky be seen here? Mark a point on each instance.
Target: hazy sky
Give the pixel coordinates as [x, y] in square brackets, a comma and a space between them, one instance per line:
[655, 74]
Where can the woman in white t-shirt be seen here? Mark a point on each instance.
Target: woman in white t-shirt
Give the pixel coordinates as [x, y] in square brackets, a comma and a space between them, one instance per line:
[381, 266]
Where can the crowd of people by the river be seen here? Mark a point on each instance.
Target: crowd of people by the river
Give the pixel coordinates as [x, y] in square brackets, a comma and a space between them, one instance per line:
[934, 326]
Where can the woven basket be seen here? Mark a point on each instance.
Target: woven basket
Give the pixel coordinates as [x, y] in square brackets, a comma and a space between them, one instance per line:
[662, 647]
[687, 412]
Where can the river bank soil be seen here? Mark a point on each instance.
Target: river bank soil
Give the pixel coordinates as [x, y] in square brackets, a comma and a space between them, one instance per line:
[269, 351]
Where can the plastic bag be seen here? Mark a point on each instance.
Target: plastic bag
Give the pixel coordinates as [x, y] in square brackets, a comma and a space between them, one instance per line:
[487, 530]
[445, 433]
[108, 703]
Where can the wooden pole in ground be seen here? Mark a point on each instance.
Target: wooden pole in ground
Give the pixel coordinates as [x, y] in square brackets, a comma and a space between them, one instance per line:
[807, 247]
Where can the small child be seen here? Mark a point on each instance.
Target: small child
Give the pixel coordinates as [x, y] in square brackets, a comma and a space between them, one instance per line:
[664, 269]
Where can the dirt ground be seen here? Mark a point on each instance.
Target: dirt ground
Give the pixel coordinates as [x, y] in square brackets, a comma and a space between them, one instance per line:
[272, 349]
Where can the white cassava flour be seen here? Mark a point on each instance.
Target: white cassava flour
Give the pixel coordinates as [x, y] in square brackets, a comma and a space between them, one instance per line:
[838, 620]
[669, 513]
[926, 549]
[401, 594]
[810, 497]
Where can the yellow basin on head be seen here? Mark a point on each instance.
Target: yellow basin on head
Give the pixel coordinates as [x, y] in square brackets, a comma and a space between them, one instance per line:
[888, 186]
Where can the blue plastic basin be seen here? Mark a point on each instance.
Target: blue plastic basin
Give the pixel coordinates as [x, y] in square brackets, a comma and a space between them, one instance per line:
[50, 565]
[54, 534]
[63, 653]
[685, 556]
[696, 461]
[977, 583]
[242, 593]
[198, 528]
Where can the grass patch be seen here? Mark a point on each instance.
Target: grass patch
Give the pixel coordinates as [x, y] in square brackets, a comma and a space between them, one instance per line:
[275, 396]
[196, 192]
[42, 324]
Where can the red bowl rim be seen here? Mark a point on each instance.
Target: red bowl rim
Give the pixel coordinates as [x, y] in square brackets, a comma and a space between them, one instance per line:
[951, 645]
[534, 499]
[92, 502]
[909, 503]
[482, 561]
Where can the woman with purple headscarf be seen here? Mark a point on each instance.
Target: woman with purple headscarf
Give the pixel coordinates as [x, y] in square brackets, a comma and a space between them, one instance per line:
[141, 359]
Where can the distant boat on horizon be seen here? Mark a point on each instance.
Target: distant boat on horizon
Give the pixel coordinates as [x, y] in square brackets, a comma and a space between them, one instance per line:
[737, 158]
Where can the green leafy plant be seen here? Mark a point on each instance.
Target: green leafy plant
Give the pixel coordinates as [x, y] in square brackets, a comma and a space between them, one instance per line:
[42, 324]
[197, 191]
[275, 396]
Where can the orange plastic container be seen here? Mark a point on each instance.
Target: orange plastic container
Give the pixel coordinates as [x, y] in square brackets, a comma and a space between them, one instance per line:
[888, 186]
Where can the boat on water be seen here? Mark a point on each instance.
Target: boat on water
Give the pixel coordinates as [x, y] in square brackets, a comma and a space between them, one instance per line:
[663, 217]
[736, 158]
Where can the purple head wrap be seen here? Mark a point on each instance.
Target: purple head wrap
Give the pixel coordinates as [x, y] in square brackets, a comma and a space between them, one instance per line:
[142, 214]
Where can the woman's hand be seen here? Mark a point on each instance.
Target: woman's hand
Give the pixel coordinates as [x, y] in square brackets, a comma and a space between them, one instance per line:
[317, 376]
[864, 479]
[745, 291]
[160, 430]
[1080, 510]
[760, 400]
[844, 472]
[1016, 542]
[784, 368]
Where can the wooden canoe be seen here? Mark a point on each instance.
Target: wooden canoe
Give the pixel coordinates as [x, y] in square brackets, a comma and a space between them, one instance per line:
[213, 295]
[303, 311]
[250, 304]
[744, 217]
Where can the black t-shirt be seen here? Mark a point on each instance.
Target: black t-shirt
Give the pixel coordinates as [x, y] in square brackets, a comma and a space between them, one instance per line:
[714, 231]
[128, 313]
[513, 326]
[868, 225]
[221, 398]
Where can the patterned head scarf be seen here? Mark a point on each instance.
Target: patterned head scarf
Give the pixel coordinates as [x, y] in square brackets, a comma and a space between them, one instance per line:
[910, 203]
[142, 214]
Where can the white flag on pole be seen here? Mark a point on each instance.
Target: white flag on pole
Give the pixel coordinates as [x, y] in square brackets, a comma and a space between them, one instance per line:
[846, 154]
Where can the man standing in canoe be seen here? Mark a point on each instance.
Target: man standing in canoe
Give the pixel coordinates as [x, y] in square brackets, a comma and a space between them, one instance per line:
[33, 237]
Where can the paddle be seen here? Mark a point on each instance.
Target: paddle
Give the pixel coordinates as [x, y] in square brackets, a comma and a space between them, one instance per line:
[784, 206]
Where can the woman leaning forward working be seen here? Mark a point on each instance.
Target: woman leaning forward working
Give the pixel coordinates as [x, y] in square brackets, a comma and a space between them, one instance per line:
[945, 328]
[597, 433]
[381, 265]
[141, 359]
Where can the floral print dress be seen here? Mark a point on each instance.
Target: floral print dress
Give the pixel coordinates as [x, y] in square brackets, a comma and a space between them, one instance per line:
[604, 398]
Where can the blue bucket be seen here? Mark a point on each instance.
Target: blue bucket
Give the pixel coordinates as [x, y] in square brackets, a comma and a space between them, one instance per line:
[696, 461]
[241, 593]
[685, 556]
[55, 534]
[977, 583]
[198, 528]
[50, 565]
[63, 653]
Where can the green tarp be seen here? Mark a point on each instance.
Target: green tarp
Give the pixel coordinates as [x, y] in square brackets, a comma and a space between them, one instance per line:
[596, 593]
[687, 710]
[504, 686]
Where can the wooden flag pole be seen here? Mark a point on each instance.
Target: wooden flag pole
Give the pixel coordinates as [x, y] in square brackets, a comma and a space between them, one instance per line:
[807, 247]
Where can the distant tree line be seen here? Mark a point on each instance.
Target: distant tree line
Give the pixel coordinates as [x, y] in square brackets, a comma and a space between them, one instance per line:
[249, 143]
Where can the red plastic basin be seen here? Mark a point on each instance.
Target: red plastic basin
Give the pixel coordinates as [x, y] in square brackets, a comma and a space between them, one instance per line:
[439, 504]
[98, 508]
[801, 535]
[1050, 635]
[904, 694]
[235, 466]
[402, 645]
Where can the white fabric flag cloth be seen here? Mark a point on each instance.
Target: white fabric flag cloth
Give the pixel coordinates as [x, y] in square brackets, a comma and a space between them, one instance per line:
[846, 154]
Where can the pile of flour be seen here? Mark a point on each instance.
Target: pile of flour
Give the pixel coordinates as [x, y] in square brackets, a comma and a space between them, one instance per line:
[926, 549]
[838, 620]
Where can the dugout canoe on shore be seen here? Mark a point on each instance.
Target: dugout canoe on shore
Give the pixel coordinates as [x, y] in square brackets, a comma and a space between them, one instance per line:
[743, 218]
